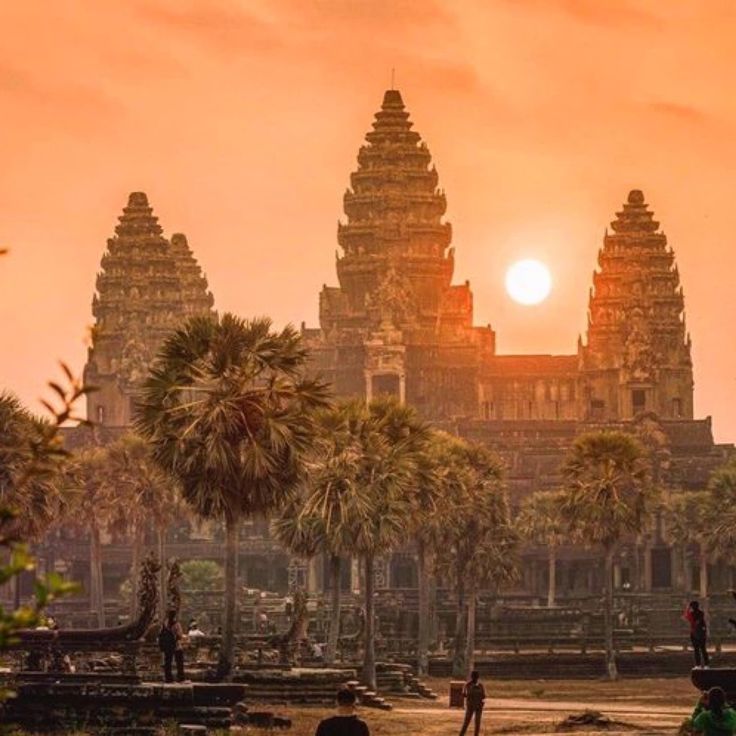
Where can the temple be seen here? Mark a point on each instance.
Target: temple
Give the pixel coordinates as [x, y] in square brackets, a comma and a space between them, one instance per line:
[396, 324]
[146, 286]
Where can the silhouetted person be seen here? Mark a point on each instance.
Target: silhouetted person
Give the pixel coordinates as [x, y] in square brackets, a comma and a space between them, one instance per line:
[474, 695]
[695, 616]
[712, 717]
[170, 641]
[346, 722]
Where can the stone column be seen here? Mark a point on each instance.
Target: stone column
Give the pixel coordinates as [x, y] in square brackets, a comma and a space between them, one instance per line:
[313, 581]
[368, 386]
[355, 575]
[402, 388]
[648, 568]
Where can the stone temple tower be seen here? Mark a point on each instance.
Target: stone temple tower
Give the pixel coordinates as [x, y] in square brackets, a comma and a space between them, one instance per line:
[637, 356]
[396, 325]
[146, 287]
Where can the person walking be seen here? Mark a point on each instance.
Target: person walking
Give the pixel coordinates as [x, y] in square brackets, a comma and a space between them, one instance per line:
[346, 722]
[695, 616]
[170, 642]
[474, 694]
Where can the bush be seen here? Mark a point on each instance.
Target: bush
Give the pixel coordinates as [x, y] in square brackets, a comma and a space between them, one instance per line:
[201, 575]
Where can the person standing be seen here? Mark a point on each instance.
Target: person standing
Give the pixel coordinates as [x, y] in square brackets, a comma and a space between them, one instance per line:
[170, 642]
[474, 694]
[346, 722]
[695, 616]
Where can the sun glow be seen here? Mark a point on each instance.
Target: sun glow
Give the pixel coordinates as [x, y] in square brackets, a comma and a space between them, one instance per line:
[528, 282]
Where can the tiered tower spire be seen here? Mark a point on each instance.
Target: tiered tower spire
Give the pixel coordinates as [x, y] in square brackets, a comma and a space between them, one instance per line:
[396, 325]
[147, 286]
[395, 266]
[637, 357]
[194, 289]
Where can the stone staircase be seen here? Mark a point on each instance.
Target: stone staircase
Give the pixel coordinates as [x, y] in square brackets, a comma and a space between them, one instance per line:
[367, 697]
[399, 679]
[305, 686]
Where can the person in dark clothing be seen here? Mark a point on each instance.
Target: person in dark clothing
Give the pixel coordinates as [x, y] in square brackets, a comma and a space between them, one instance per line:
[170, 642]
[475, 695]
[695, 616]
[346, 722]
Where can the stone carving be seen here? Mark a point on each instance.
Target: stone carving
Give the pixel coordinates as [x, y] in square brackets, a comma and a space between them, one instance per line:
[393, 303]
[639, 356]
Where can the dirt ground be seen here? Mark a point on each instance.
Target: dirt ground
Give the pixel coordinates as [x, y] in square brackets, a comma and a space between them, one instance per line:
[655, 706]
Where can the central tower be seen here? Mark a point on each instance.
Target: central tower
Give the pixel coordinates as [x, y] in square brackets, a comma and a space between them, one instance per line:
[396, 325]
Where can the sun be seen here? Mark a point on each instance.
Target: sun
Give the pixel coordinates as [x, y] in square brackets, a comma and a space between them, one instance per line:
[528, 281]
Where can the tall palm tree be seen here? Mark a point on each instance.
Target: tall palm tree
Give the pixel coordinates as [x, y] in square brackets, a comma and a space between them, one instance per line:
[29, 480]
[427, 507]
[373, 505]
[30, 472]
[147, 497]
[542, 522]
[321, 517]
[476, 544]
[94, 503]
[228, 412]
[691, 519]
[608, 496]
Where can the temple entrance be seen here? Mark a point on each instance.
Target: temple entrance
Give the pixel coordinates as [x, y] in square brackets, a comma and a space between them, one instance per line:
[661, 567]
[386, 384]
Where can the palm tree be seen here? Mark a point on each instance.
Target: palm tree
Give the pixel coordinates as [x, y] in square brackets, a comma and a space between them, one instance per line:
[370, 505]
[29, 480]
[94, 502]
[608, 496]
[476, 544]
[427, 505]
[691, 520]
[542, 522]
[147, 496]
[320, 518]
[30, 466]
[228, 412]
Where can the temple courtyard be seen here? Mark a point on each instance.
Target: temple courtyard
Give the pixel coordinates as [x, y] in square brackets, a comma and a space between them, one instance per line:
[529, 707]
[515, 706]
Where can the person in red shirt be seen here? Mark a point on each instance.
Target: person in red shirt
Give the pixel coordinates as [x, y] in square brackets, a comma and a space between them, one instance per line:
[695, 616]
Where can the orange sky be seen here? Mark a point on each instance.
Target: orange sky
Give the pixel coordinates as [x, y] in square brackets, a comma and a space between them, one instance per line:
[242, 120]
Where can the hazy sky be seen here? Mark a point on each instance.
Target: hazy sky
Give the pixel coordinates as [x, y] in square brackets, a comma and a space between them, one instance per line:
[242, 120]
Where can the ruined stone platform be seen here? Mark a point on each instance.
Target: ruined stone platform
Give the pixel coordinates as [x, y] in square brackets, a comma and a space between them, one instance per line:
[58, 704]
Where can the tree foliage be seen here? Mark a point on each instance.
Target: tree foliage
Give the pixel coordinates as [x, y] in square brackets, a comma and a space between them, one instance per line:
[229, 413]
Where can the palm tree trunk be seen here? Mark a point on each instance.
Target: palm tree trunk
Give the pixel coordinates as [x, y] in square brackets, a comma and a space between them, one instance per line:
[369, 657]
[458, 657]
[162, 577]
[703, 580]
[552, 583]
[470, 639]
[608, 617]
[423, 623]
[97, 593]
[135, 568]
[334, 637]
[227, 645]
